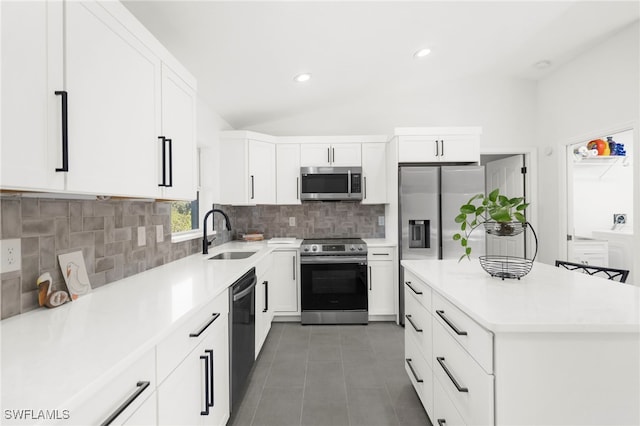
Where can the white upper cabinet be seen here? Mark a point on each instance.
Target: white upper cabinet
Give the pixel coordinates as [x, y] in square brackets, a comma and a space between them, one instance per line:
[85, 99]
[247, 169]
[288, 174]
[335, 155]
[112, 80]
[374, 167]
[428, 145]
[31, 112]
[178, 171]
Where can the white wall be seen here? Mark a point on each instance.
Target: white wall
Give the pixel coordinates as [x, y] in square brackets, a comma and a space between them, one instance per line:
[209, 124]
[596, 93]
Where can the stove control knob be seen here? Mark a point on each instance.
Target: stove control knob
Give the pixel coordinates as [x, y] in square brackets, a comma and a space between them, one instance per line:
[314, 248]
[353, 248]
[360, 248]
[306, 249]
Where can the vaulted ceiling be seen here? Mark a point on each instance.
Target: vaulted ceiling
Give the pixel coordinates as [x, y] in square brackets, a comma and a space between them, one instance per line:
[246, 54]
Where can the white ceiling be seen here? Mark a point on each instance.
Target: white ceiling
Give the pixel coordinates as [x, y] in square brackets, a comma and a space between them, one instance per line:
[245, 54]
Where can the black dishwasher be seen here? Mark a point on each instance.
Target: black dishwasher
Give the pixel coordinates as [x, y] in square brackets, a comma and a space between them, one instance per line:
[242, 331]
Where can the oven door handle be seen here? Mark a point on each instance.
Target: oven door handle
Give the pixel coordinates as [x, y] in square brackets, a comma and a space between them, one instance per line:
[317, 260]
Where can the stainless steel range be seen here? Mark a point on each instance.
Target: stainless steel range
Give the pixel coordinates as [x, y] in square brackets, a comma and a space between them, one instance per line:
[334, 281]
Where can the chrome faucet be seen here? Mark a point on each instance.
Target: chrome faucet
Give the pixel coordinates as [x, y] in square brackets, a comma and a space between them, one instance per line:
[205, 242]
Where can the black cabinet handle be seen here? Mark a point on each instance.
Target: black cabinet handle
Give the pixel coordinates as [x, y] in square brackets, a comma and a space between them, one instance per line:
[436, 148]
[294, 267]
[419, 380]
[65, 131]
[328, 156]
[266, 296]
[380, 254]
[365, 187]
[450, 324]
[141, 388]
[252, 188]
[408, 284]
[415, 327]
[205, 326]
[163, 144]
[205, 412]
[370, 278]
[170, 184]
[442, 422]
[440, 360]
[333, 155]
[211, 401]
[297, 188]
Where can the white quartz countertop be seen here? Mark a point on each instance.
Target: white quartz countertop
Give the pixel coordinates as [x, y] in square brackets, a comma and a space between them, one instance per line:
[379, 242]
[548, 299]
[49, 355]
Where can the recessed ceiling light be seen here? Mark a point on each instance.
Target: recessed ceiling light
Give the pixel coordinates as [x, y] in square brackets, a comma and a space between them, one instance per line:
[542, 64]
[421, 53]
[301, 78]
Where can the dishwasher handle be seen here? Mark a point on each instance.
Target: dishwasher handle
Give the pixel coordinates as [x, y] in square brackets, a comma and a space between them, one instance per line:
[247, 290]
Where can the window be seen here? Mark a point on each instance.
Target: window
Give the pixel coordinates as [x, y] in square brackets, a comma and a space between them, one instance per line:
[184, 215]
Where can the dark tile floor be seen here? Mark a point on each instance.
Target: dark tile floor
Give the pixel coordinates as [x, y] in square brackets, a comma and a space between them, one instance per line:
[331, 375]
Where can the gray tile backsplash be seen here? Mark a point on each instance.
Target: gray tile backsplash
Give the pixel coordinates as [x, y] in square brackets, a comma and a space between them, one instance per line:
[106, 232]
[312, 220]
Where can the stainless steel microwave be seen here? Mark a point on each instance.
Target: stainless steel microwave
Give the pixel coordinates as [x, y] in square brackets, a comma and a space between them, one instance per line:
[331, 183]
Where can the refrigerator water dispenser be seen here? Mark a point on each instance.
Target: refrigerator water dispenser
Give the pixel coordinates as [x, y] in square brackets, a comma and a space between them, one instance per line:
[419, 234]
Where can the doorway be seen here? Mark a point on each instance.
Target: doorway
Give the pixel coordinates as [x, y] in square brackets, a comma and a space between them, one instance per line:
[507, 172]
[600, 199]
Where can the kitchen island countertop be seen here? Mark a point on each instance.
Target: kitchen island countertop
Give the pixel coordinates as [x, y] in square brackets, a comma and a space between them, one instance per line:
[548, 299]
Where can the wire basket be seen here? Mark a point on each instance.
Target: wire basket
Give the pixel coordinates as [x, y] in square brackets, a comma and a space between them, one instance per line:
[504, 229]
[511, 267]
[506, 266]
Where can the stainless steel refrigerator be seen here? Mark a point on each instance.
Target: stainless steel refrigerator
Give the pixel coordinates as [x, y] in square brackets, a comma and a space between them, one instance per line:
[429, 199]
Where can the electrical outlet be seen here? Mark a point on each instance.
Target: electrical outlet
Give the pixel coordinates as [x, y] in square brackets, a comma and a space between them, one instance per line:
[292, 221]
[159, 233]
[142, 236]
[380, 220]
[619, 218]
[11, 255]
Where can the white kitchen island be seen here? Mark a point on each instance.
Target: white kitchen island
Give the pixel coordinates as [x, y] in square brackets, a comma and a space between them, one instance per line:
[556, 347]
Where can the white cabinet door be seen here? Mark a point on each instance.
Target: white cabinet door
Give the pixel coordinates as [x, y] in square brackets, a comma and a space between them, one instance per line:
[324, 155]
[31, 112]
[178, 126]
[346, 154]
[146, 414]
[112, 80]
[381, 289]
[262, 172]
[374, 167]
[264, 311]
[589, 252]
[315, 155]
[288, 174]
[284, 282]
[454, 148]
[196, 392]
[418, 149]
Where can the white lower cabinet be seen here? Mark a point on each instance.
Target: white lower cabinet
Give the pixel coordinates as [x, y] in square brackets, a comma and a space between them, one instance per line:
[381, 278]
[444, 411]
[590, 252]
[121, 398]
[284, 282]
[264, 306]
[146, 414]
[196, 391]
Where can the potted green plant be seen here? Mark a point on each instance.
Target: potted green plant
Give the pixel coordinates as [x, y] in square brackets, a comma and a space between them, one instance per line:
[500, 215]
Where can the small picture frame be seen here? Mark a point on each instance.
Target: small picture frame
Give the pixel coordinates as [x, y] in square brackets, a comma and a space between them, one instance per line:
[75, 274]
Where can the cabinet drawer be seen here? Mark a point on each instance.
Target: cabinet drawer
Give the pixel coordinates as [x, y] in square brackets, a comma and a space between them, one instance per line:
[419, 289]
[419, 372]
[445, 412]
[380, 253]
[418, 324]
[128, 390]
[471, 336]
[175, 347]
[465, 382]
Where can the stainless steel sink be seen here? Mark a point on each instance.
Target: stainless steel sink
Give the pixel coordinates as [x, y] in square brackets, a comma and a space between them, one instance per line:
[232, 255]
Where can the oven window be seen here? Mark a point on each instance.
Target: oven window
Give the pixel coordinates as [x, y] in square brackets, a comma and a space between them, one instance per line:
[334, 287]
[325, 184]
